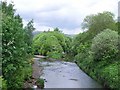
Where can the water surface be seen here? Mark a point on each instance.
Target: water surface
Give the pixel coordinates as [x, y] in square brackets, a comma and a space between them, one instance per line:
[60, 74]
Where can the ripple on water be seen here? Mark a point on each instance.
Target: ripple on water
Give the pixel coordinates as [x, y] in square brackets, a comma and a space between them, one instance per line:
[61, 74]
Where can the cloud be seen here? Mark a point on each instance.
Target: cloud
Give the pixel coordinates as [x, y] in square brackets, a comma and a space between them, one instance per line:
[64, 14]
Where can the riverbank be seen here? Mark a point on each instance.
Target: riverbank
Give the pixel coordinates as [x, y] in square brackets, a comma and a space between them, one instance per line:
[37, 72]
[107, 75]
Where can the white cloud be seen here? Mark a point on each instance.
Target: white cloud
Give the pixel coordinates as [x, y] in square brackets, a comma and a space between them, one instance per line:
[42, 28]
[65, 14]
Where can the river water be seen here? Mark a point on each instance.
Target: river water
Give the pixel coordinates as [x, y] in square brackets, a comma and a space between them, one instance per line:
[60, 74]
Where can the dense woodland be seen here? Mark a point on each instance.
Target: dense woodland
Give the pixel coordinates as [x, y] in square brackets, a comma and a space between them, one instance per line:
[96, 51]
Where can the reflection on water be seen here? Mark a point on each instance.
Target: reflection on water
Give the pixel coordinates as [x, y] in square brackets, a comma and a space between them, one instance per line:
[61, 74]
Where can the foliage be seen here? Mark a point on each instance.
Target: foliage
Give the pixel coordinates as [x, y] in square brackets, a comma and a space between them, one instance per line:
[14, 48]
[54, 54]
[40, 83]
[105, 45]
[3, 84]
[0, 40]
[51, 43]
[64, 41]
[57, 29]
[100, 61]
[96, 50]
[47, 43]
[110, 75]
[93, 24]
[29, 36]
[81, 43]
[98, 22]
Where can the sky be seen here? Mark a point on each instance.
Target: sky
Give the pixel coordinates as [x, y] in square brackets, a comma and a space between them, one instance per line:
[67, 15]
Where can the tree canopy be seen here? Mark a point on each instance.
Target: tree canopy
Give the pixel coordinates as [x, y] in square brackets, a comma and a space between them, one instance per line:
[15, 56]
[49, 42]
[97, 49]
[96, 23]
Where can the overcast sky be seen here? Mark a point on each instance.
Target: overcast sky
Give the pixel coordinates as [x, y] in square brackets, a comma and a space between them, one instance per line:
[67, 15]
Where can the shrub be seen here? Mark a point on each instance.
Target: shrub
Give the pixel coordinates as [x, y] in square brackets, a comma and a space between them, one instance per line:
[54, 54]
[105, 46]
[3, 84]
[100, 61]
[110, 75]
[105, 62]
[40, 83]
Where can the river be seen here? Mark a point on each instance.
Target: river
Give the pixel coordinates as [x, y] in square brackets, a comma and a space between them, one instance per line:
[60, 74]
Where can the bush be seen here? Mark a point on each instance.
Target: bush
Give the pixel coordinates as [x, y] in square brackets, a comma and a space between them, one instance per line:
[54, 54]
[101, 60]
[84, 61]
[40, 83]
[105, 46]
[110, 75]
[3, 84]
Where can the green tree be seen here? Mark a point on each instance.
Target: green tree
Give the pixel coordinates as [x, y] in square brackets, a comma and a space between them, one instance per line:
[94, 24]
[14, 52]
[57, 29]
[97, 49]
[51, 43]
[98, 22]
[29, 29]
[46, 43]
[29, 35]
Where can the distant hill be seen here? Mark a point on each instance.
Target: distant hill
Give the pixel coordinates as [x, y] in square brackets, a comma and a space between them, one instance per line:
[36, 32]
[69, 35]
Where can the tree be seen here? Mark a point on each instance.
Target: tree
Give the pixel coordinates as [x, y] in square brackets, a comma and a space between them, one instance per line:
[57, 29]
[46, 43]
[14, 52]
[79, 41]
[98, 22]
[29, 29]
[51, 43]
[29, 35]
[97, 51]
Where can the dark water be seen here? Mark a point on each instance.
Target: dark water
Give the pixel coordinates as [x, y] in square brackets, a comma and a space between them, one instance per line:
[61, 74]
